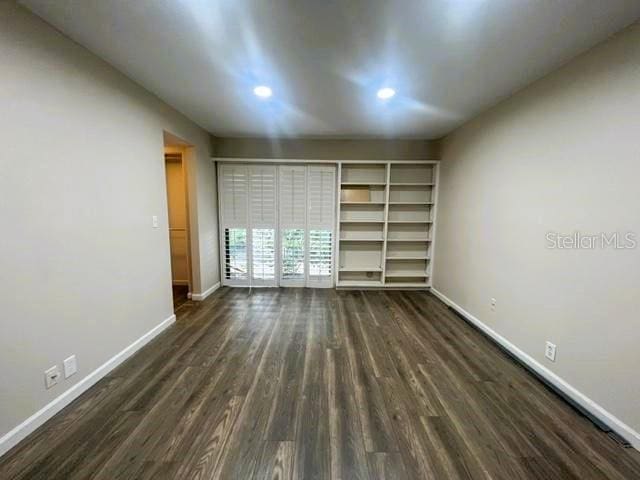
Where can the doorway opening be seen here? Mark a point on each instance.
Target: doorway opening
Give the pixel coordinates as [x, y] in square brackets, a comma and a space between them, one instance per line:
[178, 214]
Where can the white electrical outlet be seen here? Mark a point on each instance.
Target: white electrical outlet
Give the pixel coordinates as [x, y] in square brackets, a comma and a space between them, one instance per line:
[51, 376]
[550, 351]
[493, 304]
[70, 366]
[154, 221]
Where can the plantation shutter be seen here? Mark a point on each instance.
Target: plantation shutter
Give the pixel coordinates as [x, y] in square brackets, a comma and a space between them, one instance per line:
[293, 219]
[320, 226]
[234, 182]
[263, 187]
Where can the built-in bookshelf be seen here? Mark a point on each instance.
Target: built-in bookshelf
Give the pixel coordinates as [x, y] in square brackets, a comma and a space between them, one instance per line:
[386, 223]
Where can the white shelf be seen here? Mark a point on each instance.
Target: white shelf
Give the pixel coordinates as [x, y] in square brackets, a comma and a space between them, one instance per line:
[360, 283]
[361, 221]
[406, 284]
[416, 240]
[412, 184]
[364, 184]
[361, 269]
[387, 223]
[406, 275]
[411, 203]
[410, 221]
[362, 240]
[417, 257]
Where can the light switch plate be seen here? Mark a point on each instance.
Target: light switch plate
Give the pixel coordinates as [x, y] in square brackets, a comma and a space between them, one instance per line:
[154, 221]
[70, 366]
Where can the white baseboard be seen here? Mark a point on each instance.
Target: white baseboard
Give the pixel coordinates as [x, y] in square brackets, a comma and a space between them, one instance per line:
[13, 437]
[198, 297]
[580, 398]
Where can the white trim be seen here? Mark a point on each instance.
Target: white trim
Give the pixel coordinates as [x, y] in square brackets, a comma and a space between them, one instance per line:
[17, 434]
[580, 398]
[198, 297]
[334, 248]
[435, 199]
[311, 160]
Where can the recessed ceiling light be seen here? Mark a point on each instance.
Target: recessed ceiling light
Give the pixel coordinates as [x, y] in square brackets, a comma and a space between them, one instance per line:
[386, 93]
[263, 91]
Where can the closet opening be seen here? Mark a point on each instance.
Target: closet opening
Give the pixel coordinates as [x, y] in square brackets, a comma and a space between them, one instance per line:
[175, 158]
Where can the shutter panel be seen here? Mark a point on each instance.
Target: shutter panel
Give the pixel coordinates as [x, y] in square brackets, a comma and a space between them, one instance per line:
[235, 256]
[321, 193]
[292, 197]
[263, 196]
[262, 212]
[235, 194]
[320, 258]
[234, 188]
[293, 222]
[277, 224]
[321, 220]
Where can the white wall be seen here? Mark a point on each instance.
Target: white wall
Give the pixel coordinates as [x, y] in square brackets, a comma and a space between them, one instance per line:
[562, 155]
[81, 174]
[325, 149]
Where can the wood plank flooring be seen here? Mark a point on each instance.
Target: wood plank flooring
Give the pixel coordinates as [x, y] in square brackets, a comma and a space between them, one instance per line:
[319, 384]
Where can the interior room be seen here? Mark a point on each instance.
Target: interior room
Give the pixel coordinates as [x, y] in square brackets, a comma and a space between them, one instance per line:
[320, 240]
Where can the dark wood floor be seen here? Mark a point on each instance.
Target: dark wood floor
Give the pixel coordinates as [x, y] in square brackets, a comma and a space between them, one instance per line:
[314, 384]
[180, 295]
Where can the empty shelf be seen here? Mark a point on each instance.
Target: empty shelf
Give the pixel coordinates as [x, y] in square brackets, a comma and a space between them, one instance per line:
[361, 221]
[410, 221]
[360, 283]
[361, 240]
[361, 269]
[407, 275]
[364, 183]
[361, 203]
[406, 284]
[417, 240]
[417, 257]
[411, 203]
[412, 184]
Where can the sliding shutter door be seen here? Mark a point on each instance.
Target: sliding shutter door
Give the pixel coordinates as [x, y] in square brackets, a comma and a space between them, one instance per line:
[234, 189]
[263, 187]
[277, 224]
[321, 182]
[292, 201]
